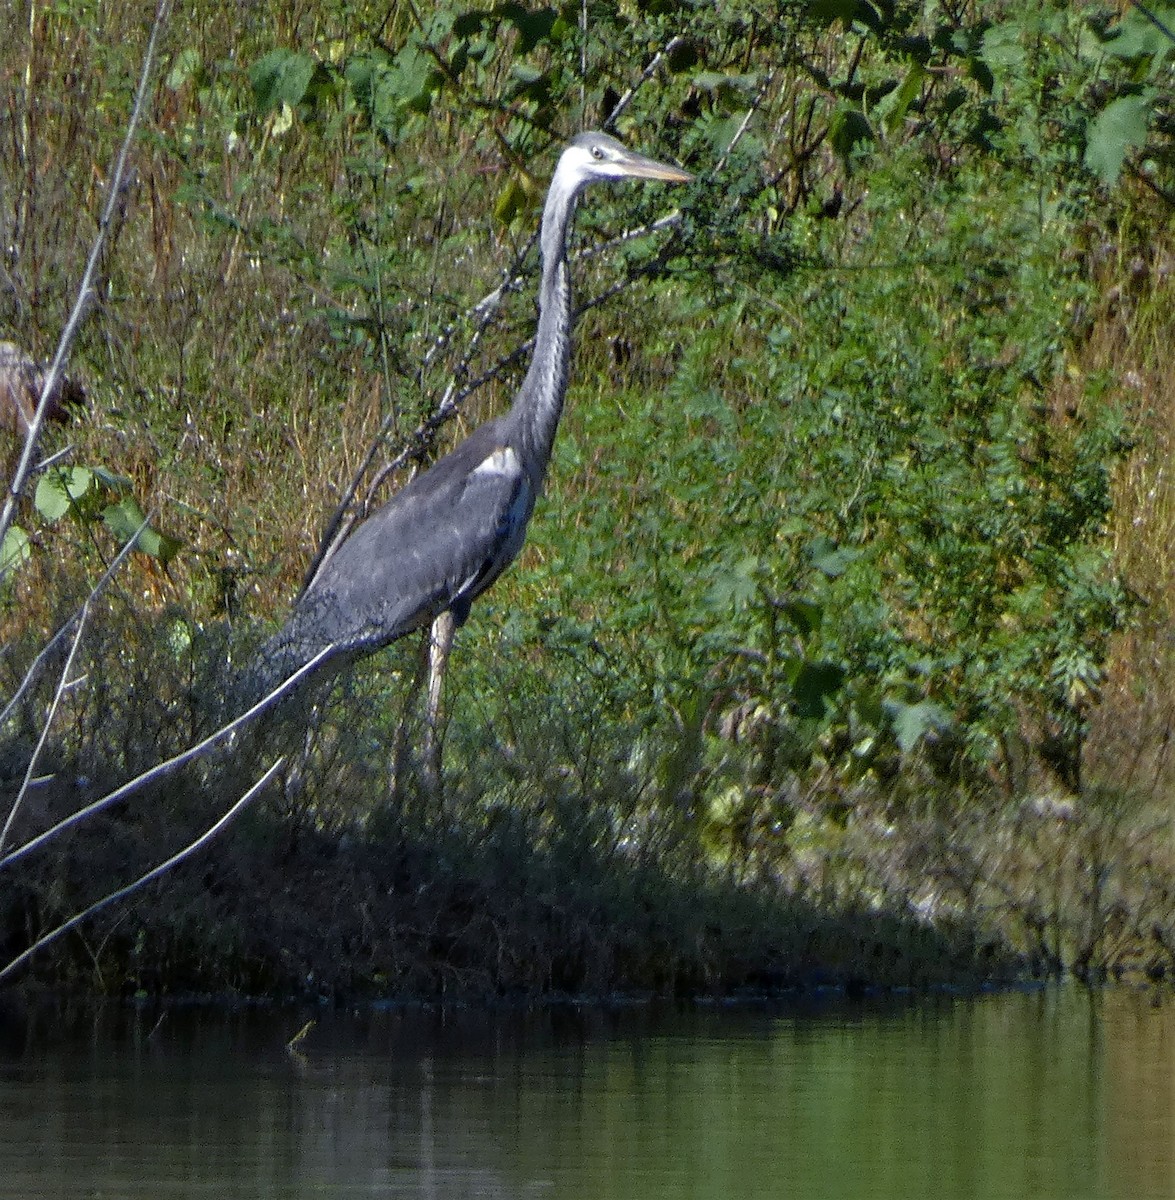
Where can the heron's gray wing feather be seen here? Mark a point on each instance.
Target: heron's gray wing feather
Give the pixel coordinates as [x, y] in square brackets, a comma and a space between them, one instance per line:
[436, 544]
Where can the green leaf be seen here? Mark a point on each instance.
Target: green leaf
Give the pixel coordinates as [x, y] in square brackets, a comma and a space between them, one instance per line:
[281, 77]
[733, 588]
[63, 490]
[126, 519]
[1136, 36]
[849, 129]
[14, 550]
[912, 722]
[830, 559]
[533, 26]
[186, 67]
[893, 106]
[413, 79]
[805, 615]
[51, 498]
[525, 74]
[814, 684]
[1121, 126]
[468, 24]
[511, 201]
[1003, 47]
[159, 545]
[828, 11]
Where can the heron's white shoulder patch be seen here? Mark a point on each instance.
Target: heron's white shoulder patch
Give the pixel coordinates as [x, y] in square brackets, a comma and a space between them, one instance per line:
[503, 461]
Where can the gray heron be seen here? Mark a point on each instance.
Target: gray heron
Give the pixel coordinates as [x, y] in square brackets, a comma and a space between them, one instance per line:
[449, 533]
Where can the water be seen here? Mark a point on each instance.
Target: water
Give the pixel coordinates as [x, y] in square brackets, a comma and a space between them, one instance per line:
[1048, 1094]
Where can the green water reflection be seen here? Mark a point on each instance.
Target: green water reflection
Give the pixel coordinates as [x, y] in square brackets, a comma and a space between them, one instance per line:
[1049, 1094]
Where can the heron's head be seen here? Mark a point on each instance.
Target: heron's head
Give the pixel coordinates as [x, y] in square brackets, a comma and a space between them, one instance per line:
[593, 156]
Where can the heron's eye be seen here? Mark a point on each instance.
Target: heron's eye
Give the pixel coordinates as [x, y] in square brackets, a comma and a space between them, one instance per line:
[597, 152]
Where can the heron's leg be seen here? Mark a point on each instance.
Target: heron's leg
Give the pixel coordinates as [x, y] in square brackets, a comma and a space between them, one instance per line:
[440, 642]
[401, 746]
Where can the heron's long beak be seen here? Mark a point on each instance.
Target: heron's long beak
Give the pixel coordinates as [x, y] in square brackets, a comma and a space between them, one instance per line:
[648, 168]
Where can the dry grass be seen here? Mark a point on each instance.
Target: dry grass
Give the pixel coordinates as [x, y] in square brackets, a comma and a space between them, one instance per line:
[1131, 344]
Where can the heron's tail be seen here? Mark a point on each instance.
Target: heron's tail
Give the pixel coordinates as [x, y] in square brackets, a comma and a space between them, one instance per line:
[282, 665]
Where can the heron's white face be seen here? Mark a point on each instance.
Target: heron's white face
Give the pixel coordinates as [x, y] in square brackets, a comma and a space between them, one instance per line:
[593, 156]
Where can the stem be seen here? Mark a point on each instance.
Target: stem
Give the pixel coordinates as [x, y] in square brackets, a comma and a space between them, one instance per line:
[82, 302]
[142, 881]
[164, 769]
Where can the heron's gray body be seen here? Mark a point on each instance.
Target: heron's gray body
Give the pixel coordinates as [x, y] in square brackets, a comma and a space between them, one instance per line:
[446, 536]
[435, 546]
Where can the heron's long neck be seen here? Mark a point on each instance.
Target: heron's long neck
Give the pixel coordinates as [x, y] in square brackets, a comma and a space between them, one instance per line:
[540, 399]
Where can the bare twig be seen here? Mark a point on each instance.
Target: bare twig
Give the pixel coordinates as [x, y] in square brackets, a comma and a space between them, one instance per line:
[670, 220]
[343, 519]
[744, 124]
[53, 459]
[583, 48]
[34, 670]
[63, 683]
[163, 769]
[294, 1042]
[82, 303]
[646, 75]
[149, 877]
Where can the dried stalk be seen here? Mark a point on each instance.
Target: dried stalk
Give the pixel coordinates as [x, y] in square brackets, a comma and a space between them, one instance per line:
[142, 881]
[35, 667]
[163, 769]
[82, 303]
[63, 683]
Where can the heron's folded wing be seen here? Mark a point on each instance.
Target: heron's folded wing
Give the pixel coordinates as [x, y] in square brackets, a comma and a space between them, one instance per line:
[431, 547]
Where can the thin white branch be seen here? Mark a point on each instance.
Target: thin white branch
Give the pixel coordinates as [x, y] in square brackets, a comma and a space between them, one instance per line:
[34, 669]
[646, 75]
[669, 221]
[151, 875]
[163, 769]
[47, 724]
[81, 304]
[53, 459]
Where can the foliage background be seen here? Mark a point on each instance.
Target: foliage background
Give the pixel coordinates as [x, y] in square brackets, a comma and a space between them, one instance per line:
[852, 584]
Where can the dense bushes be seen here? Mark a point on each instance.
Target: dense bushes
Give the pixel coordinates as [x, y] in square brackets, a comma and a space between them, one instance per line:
[828, 553]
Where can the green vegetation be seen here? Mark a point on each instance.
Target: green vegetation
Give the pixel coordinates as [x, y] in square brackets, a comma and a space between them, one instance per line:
[839, 648]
